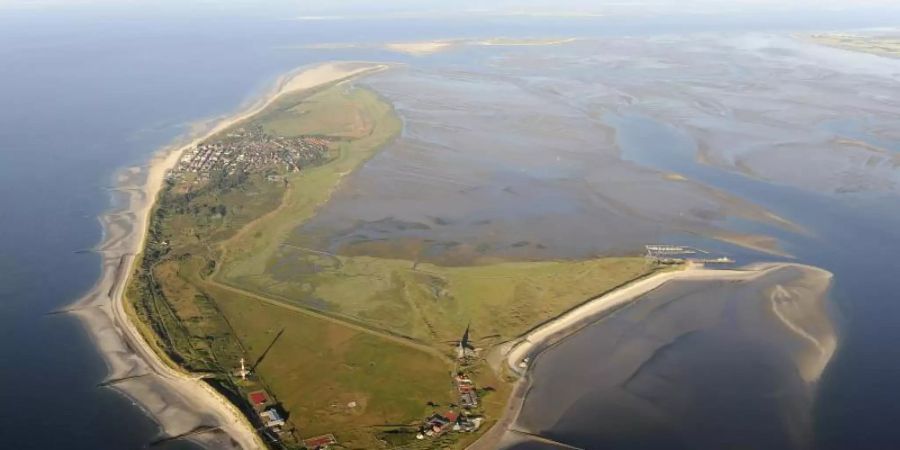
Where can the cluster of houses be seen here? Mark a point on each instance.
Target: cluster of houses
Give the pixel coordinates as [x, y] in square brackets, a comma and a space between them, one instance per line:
[273, 422]
[251, 149]
[438, 424]
[269, 414]
[461, 422]
[468, 397]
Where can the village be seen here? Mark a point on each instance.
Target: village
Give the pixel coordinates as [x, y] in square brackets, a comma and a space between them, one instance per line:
[462, 420]
[460, 417]
[251, 149]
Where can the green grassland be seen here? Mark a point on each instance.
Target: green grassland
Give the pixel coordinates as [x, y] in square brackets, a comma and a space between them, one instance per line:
[317, 368]
[434, 303]
[344, 112]
[217, 282]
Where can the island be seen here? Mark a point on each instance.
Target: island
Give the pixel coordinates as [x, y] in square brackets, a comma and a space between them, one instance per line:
[316, 347]
[248, 310]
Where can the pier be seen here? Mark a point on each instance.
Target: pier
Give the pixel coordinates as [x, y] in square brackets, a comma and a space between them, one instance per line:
[674, 254]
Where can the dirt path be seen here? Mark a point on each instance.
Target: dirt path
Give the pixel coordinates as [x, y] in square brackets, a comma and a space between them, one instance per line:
[403, 340]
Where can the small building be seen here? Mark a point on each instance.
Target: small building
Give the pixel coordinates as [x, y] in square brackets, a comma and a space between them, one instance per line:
[465, 387]
[468, 399]
[438, 424]
[259, 399]
[271, 418]
[320, 442]
[465, 424]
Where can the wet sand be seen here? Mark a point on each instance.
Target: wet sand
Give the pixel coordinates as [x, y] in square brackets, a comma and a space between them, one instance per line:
[698, 359]
[600, 146]
[180, 402]
[488, 168]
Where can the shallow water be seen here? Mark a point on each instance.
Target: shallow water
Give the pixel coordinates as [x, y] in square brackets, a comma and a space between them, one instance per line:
[491, 164]
[693, 365]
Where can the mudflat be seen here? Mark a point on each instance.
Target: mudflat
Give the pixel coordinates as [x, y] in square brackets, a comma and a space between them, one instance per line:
[687, 363]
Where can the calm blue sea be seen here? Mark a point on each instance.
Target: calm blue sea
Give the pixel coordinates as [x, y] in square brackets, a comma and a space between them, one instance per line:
[84, 93]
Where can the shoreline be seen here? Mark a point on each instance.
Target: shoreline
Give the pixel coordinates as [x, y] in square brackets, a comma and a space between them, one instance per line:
[511, 354]
[182, 404]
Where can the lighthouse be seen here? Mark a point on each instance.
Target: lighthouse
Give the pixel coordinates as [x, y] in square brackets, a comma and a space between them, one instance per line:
[244, 372]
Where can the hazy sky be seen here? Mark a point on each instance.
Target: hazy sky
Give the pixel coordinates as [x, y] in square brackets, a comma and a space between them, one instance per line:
[392, 7]
[29, 15]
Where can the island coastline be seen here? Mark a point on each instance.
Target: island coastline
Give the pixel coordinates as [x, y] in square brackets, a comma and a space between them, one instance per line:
[129, 356]
[182, 404]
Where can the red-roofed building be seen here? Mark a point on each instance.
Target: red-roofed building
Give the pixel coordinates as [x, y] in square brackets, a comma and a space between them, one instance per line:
[320, 441]
[258, 398]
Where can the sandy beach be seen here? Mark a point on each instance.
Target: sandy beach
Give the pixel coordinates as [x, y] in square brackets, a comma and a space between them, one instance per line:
[532, 343]
[512, 355]
[430, 47]
[420, 48]
[182, 403]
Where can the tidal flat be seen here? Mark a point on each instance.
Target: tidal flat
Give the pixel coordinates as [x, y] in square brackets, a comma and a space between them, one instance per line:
[693, 364]
[518, 153]
[602, 145]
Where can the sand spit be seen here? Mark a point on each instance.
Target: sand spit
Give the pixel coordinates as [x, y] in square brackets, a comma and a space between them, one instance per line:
[182, 403]
[541, 337]
[425, 48]
[756, 242]
[429, 47]
[525, 42]
[792, 305]
[793, 301]
[419, 48]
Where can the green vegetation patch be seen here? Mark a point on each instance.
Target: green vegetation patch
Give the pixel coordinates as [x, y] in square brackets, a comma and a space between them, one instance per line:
[435, 303]
[305, 191]
[342, 111]
[333, 378]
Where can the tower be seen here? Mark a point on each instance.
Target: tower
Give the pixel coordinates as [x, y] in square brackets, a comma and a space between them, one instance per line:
[243, 371]
[465, 347]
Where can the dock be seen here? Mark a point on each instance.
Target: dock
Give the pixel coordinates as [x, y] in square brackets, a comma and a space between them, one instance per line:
[676, 254]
